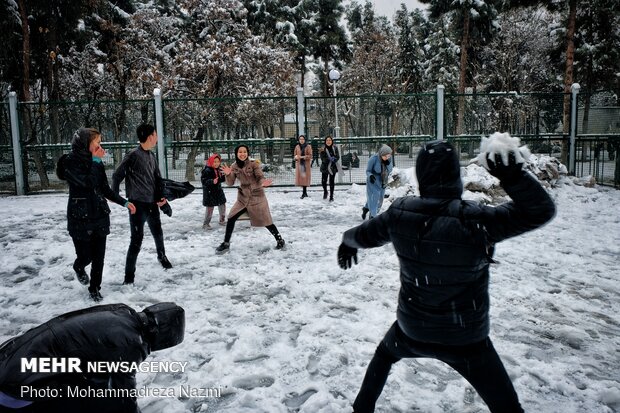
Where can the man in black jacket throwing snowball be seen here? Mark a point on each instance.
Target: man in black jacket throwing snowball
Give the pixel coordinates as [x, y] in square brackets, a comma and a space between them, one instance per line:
[444, 246]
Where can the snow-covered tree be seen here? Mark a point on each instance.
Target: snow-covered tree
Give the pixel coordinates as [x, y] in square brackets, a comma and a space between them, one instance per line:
[475, 23]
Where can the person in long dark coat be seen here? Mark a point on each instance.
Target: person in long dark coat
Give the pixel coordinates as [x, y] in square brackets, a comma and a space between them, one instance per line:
[251, 197]
[212, 192]
[303, 171]
[88, 214]
[329, 166]
[445, 246]
[105, 333]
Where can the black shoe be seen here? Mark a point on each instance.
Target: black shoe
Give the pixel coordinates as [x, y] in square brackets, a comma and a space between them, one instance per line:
[324, 194]
[304, 195]
[224, 247]
[163, 260]
[95, 295]
[364, 212]
[331, 198]
[128, 279]
[280, 243]
[81, 275]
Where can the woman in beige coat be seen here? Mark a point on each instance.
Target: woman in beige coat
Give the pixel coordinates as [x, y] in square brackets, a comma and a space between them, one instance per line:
[303, 158]
[250, 197]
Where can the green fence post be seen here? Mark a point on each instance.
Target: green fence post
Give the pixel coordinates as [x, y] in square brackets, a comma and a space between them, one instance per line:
[301, 114]
[159, 124]
[440, 112]
[573, 128]
[17, 155]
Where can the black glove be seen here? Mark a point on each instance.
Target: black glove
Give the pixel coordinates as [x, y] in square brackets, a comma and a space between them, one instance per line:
[372, 179]
[345, 253]
[505, 173]
[166, 209]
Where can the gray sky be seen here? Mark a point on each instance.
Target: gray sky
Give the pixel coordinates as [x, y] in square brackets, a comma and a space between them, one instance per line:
[389, 7]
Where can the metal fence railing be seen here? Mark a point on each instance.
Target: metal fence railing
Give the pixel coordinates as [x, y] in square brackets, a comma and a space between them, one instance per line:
[7, 168]
[196, 128]
[193, 129]
[378, 115]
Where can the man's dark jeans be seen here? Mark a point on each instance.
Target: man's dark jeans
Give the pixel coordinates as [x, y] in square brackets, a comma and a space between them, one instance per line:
[478, 363]
[149, 213]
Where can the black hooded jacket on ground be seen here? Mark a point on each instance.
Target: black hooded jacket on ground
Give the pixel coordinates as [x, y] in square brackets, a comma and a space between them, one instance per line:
[113, 332]
[87, 209]
[445, 246]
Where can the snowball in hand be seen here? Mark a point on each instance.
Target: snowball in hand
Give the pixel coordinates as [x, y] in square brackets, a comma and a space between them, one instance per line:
[501, 144]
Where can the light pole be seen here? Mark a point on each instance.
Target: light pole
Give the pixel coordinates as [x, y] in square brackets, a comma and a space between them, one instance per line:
[334, 76]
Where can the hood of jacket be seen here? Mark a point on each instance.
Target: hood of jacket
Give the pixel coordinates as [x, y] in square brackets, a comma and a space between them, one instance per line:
[80, 144]
[438, 171]
[212, 159]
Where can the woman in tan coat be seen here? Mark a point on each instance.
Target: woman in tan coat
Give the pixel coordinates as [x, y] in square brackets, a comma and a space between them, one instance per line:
[303, 158]
[250, 197]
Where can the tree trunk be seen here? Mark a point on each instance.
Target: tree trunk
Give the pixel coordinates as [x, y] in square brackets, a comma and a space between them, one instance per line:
[568, 75]
[462, 74]
[26, 97]
[191, 156]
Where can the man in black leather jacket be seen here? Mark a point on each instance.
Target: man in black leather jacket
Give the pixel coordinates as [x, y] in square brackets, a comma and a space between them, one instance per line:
[143, 186]
[445, 246]
[113, 332]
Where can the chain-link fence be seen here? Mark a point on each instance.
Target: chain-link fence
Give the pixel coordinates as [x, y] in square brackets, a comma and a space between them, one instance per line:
[370, 116]
[47, 130]
[193, 129]
[197, 128]
[7, 169]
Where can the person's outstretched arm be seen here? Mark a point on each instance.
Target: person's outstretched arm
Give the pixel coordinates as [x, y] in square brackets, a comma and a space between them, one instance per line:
[531, 206]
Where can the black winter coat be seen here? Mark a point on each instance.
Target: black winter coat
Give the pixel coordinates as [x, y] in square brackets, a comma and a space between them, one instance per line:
[325, 160]
[113, 332]
[212, 194]
[87, 208]
[445, 247]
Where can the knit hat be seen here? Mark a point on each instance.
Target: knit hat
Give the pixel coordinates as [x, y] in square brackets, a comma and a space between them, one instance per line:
[384, 150]
[438, 171]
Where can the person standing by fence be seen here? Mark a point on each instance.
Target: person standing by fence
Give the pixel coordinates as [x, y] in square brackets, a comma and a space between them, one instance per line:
[143, 187]
[88, 214]
[329, 166]
[377, 172]
[315, 151]
[303, 158]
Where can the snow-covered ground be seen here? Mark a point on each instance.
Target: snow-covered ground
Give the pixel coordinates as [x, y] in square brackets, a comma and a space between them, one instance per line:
[287, 331]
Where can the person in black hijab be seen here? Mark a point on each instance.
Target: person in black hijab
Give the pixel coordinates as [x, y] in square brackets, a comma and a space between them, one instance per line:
[251, 197]
[88, 214]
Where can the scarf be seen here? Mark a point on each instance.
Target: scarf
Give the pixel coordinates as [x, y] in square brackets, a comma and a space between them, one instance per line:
[384, 172]
[302, 162]
[331, 153]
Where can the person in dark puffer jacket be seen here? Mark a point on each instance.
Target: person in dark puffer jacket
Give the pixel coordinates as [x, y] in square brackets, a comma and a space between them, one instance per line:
[104, 333]
[212, 192]
[445, 246]
[88, 214]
